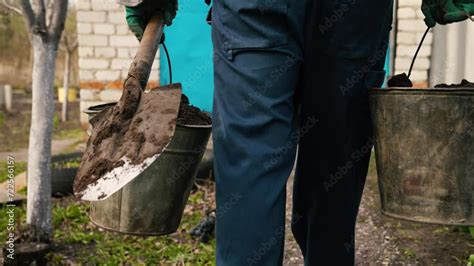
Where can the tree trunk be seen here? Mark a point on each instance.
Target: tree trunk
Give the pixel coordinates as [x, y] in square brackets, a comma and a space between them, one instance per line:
[65, 85]
[39, 152]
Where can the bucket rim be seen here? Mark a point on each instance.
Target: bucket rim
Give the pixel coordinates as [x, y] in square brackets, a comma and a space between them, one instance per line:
[194, 126]
[425, 220]
[408, 90]
[132, 233]
[97, 108]
[197, 126]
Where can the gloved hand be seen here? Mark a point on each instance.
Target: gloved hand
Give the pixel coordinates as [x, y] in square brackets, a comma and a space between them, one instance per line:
[446, 11]
[138, 16]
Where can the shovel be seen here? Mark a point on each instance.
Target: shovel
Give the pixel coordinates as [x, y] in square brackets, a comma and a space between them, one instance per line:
[129, 136]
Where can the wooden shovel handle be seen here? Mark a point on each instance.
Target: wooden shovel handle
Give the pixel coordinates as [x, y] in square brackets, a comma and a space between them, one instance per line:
[141, 65]
[140, 69]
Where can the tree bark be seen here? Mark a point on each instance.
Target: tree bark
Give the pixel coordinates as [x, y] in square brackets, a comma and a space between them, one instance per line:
[39, 152]
[65, 86]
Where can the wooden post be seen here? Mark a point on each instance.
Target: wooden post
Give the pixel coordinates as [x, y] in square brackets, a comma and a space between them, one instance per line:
[65, 86]
[8, 97]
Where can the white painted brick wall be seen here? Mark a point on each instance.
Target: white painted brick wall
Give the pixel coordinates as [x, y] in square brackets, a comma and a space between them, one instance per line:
[123, 41]
[91, 16]
[110, 95]
[83, 5]
[120, 63]
[108, 75]
[104, 28]
[90, 63]
[409, 51]
[86, 74]
[105, 5]
[106, 50]
[406, 12]
[410, 31]
[421, 63]
[409, 3]
[122, 29]
[116, 17]
[411, 25]
[123, 52]
[84, 28]
[91, 40]
[85, 51]
[89, 95]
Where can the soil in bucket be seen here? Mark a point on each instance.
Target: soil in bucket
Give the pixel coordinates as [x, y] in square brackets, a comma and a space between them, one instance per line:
[187, 115]
[464, 84]
[190, 115]
[400, 80]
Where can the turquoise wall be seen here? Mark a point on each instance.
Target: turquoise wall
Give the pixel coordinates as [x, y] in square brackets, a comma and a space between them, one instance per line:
[190, 47]
[189, 43]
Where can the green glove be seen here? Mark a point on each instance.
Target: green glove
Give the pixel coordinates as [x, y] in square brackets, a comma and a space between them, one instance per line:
[462, 10]
[138, 16]
[446, 11]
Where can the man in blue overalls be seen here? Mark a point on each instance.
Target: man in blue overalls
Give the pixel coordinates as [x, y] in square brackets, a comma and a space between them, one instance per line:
[294, 73]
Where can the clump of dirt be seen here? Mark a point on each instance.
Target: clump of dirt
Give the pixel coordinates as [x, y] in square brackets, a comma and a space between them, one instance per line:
[190, 115]
[400, 80]
[101, 167]
[107, 133]
[464, 84]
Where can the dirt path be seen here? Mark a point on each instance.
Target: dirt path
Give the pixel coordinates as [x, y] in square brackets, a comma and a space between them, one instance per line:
[58, 146]
[385, 241]
[381, 240]
[292, 254]
[15, 125]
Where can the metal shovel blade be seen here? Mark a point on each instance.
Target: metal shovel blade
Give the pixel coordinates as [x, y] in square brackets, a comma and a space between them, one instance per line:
[117, 160]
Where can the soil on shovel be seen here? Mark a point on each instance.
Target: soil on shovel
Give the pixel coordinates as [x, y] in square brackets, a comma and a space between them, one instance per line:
[464, 84]
[137, 152]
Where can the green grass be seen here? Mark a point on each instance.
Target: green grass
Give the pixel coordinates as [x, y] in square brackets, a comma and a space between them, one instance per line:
[20, 215]
[408, 252]
[470, 261]
[441, 230]
[2, 119]
[19, 168]
[73, 147]
[75, 163]
[112, 249]
[91, 246]
[75, 133]
[22, 191]
[56, 121]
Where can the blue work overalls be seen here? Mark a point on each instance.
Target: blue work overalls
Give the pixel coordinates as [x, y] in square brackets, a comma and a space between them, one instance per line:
[288, 74]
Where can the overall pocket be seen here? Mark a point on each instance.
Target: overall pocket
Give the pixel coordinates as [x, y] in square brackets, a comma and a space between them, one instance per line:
[251, 24]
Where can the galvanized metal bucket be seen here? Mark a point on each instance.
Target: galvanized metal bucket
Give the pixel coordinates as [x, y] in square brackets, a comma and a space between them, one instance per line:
[424, 144]
[153, 203]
